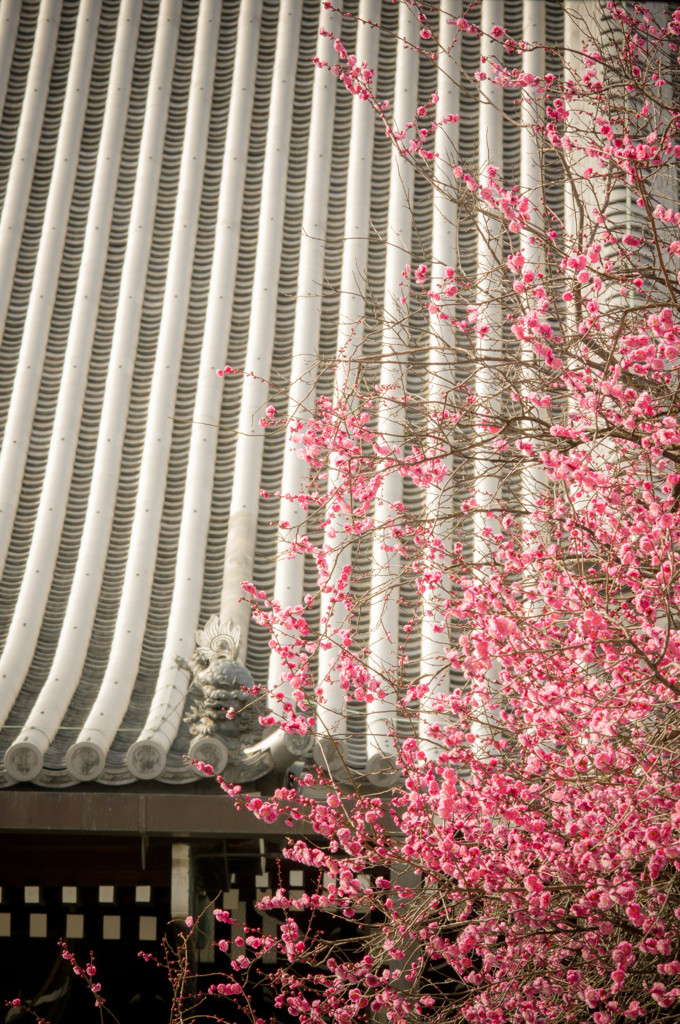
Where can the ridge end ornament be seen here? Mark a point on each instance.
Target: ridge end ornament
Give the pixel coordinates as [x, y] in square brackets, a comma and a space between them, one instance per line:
[225, 711]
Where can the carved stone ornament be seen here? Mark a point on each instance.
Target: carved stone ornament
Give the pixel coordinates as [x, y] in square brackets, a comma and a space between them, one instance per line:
[223, 704]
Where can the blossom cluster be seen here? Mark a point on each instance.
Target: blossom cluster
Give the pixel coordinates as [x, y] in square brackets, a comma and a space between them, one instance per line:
[522, 861]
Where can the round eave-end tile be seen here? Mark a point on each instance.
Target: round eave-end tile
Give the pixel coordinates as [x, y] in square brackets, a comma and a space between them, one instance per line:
[382, 772]
[85, 761]
[23, 761]
[300, 746]
[210, 750]
[145, 759]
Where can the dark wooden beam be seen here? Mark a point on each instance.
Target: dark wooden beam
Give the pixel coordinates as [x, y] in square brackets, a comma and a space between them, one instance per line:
[189, 815]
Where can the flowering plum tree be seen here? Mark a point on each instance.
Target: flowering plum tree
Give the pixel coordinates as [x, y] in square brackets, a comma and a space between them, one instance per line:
[521, 861]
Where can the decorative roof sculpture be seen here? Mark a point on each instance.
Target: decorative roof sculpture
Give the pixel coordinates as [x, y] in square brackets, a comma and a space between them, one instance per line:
[225, 711]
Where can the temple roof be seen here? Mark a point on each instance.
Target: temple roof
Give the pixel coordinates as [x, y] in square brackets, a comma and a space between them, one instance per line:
[176, 183]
